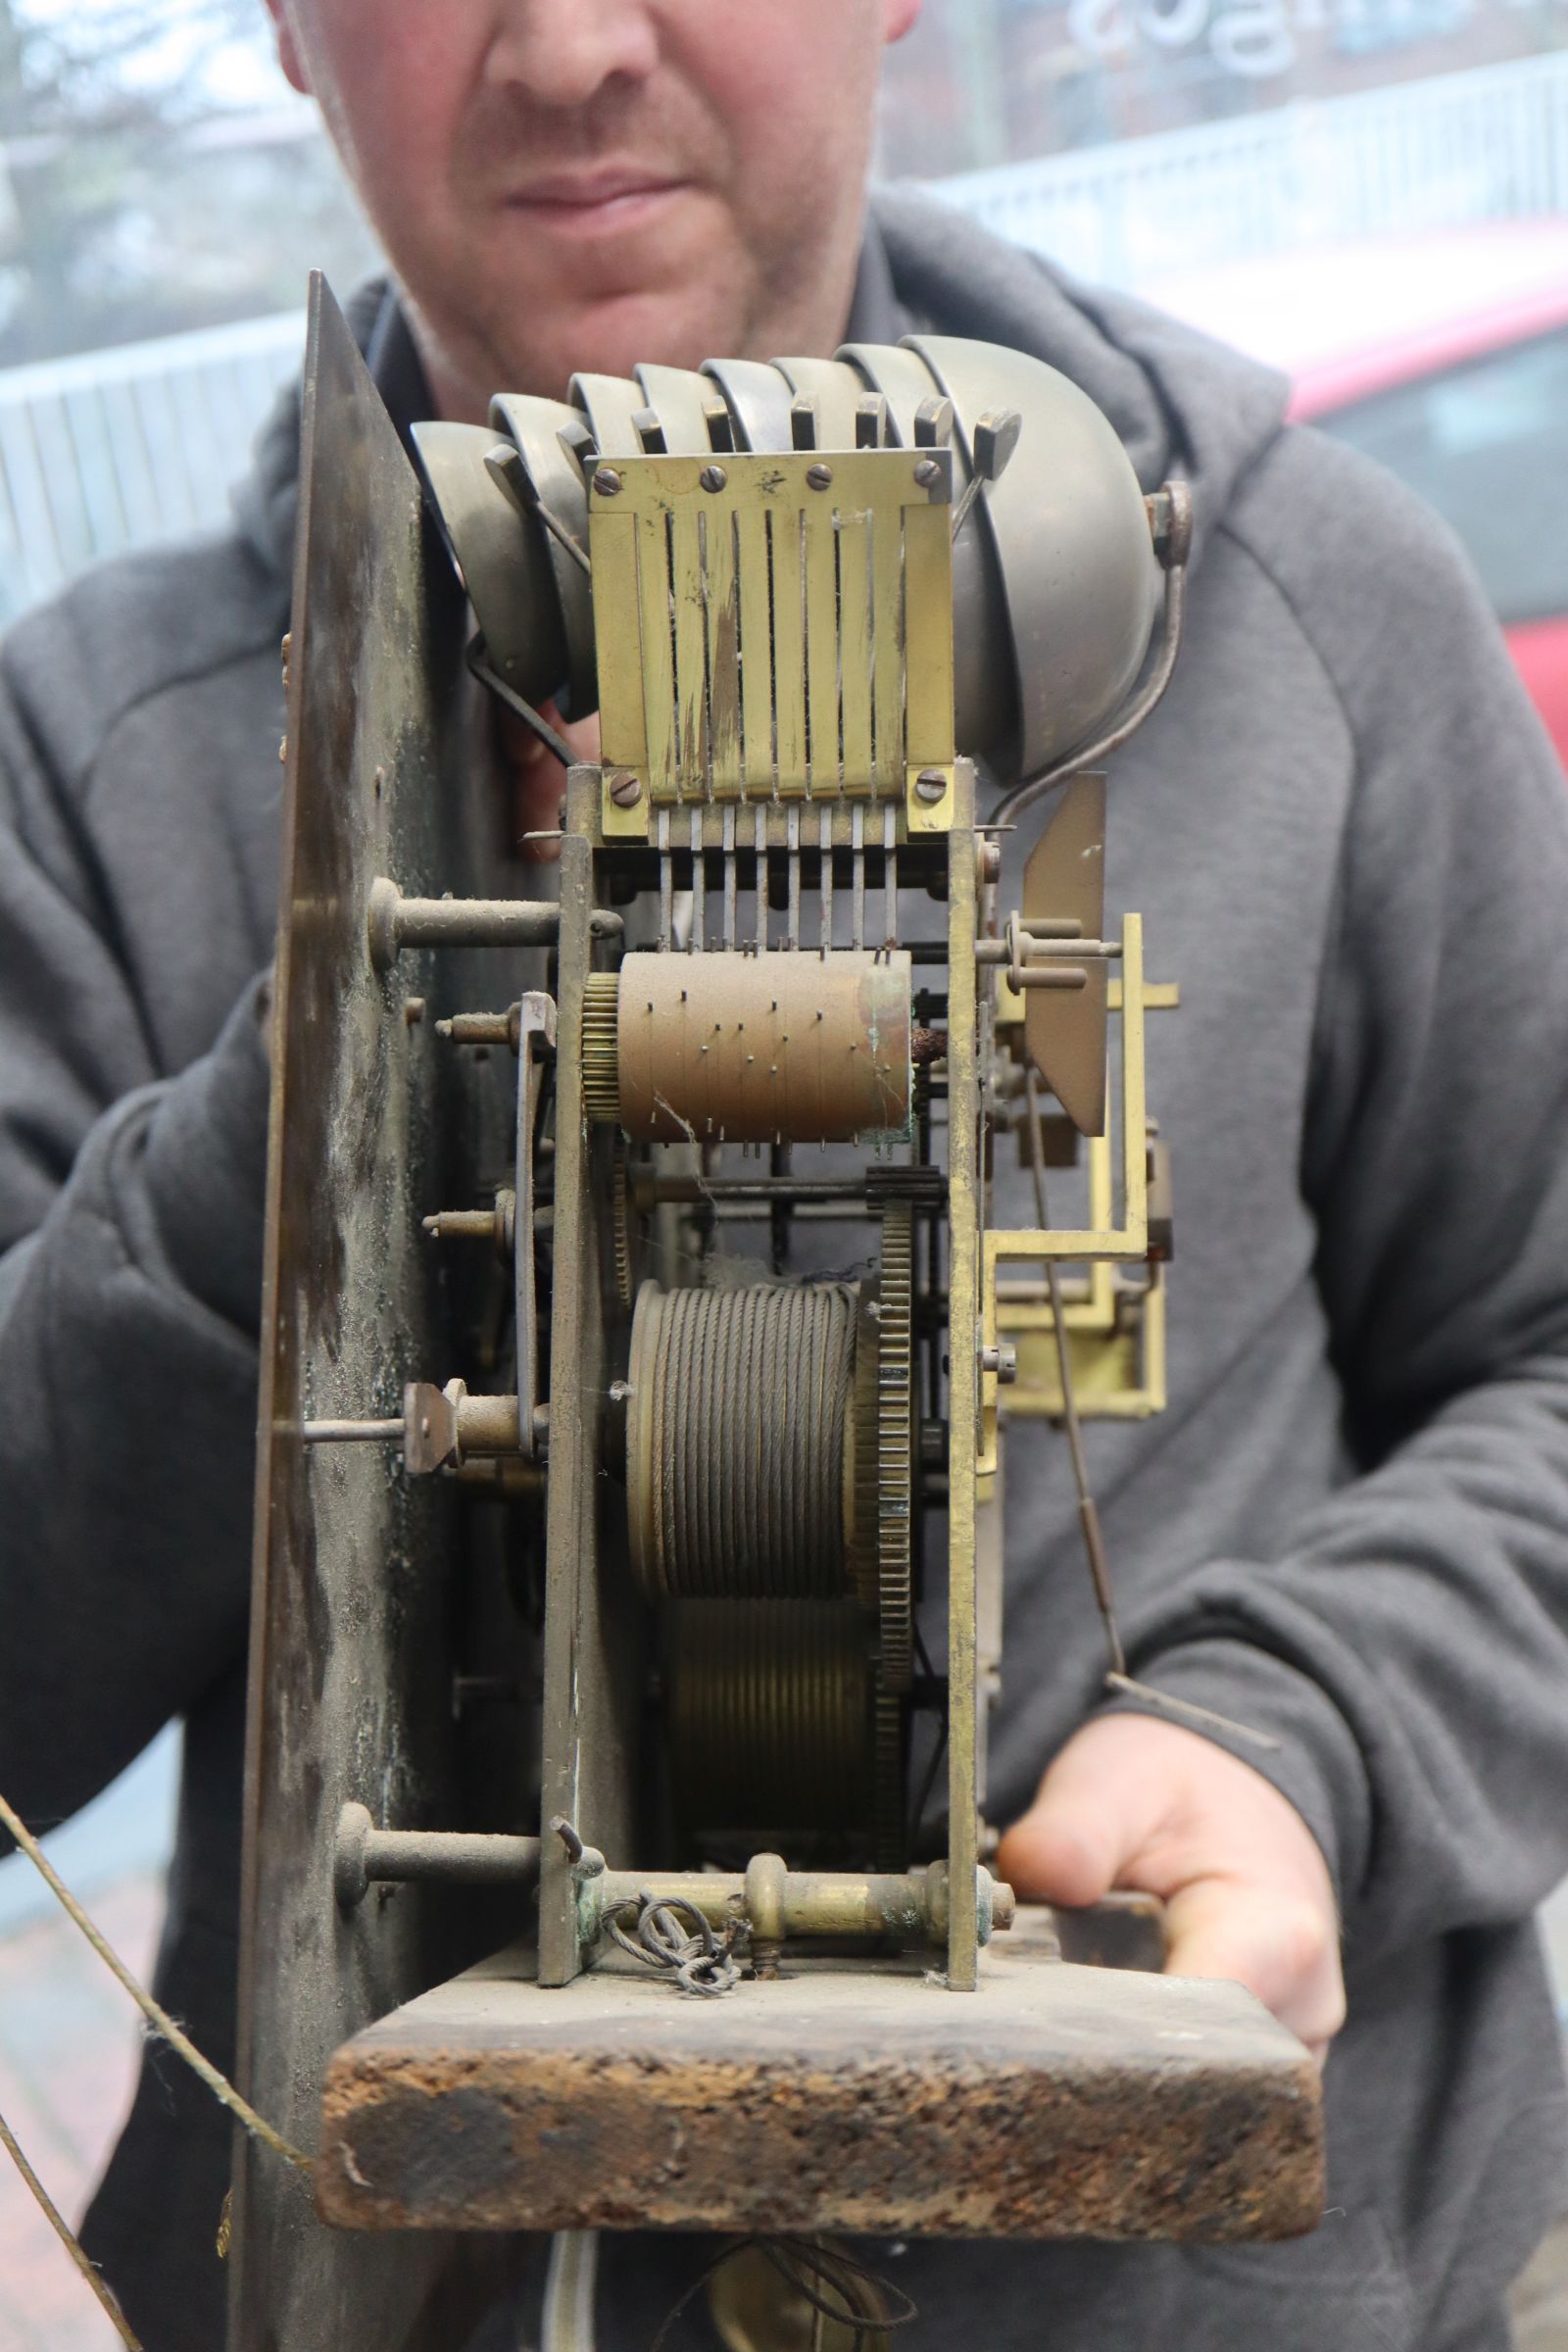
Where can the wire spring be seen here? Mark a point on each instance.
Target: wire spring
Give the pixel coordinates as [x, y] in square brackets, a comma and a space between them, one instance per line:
[670, 1932]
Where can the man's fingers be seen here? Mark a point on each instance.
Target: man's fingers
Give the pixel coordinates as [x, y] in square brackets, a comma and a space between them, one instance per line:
[1057, 1858]
[1091, 1816]
[1282, 1951]
[1131, 1802]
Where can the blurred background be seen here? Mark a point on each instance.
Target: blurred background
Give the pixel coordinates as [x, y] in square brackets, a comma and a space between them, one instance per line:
[1371, 194]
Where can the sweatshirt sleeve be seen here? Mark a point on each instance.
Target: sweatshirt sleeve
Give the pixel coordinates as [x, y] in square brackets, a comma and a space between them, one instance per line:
[1408, 1645]
[131, 1242]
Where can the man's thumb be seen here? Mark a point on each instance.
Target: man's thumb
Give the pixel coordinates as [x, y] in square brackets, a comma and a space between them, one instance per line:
[1063, 1850]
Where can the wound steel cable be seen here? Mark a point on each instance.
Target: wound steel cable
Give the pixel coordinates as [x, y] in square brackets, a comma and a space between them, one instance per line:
[740, 1403]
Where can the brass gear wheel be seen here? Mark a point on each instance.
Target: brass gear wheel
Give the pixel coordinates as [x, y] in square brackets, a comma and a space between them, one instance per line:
[895, 1447]
[624, 1222]
[889, 1827]
[862, 1482]
[880, 1494]
[601, 1065]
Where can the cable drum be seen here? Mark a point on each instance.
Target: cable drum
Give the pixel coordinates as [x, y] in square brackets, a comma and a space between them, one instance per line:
[737, 1426]
[770, 1716]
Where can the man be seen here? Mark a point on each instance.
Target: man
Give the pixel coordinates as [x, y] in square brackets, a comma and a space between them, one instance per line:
[1350, 841]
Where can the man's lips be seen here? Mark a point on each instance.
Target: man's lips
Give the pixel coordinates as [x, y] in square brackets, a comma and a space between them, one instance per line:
[587, 201]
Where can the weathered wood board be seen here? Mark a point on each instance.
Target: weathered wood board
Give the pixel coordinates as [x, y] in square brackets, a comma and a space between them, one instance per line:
[1055, 2101]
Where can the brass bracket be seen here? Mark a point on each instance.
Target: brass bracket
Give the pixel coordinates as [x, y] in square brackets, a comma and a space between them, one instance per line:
[774, 626]
[1103, 1242]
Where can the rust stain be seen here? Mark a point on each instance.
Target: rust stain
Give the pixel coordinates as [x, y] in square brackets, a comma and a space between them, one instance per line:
[593, 2140]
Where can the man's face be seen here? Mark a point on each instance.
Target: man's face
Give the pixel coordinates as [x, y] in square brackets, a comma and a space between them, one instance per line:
[566, 184]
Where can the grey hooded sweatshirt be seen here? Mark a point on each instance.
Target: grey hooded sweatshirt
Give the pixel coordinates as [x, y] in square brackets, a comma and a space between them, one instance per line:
[1349, 842]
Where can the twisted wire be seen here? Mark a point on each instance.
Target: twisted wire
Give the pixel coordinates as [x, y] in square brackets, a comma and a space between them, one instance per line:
[698, 1960]
[832, 2282]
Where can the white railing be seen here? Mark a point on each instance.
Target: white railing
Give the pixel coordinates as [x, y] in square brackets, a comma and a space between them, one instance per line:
[117, 448]
[1486, 144]
[112, 448]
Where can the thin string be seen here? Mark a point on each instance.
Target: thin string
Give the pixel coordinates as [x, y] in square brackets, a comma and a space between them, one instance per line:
[1170, 1705]
[69, 2239]
[158, 2018]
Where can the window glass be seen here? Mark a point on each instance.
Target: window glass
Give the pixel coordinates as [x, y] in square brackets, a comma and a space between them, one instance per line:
[982, 83]
[1487, 444]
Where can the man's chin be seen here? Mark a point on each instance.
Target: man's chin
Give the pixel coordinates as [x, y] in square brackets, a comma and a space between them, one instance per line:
[678, 326]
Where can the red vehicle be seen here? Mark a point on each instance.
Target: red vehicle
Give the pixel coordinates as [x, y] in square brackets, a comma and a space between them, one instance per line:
[1445, 358]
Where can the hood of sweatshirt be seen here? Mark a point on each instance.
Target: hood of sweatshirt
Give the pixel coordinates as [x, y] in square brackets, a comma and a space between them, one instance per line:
[1181, 402]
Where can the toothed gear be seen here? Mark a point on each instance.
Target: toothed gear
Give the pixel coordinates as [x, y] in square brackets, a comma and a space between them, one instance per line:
[890, 1828]
[864, 1478]
[601, 1064]
[895, 1447]
[625, 1228]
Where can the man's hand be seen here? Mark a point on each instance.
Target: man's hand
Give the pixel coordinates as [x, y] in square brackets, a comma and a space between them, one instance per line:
[537, 779]
[1133, 1803]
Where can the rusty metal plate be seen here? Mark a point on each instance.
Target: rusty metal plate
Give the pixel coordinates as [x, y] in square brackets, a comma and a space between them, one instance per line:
[373, 1124]
[1055, 2101]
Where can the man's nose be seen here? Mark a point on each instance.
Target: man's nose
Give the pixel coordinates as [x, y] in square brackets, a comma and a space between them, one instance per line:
[563, 52]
